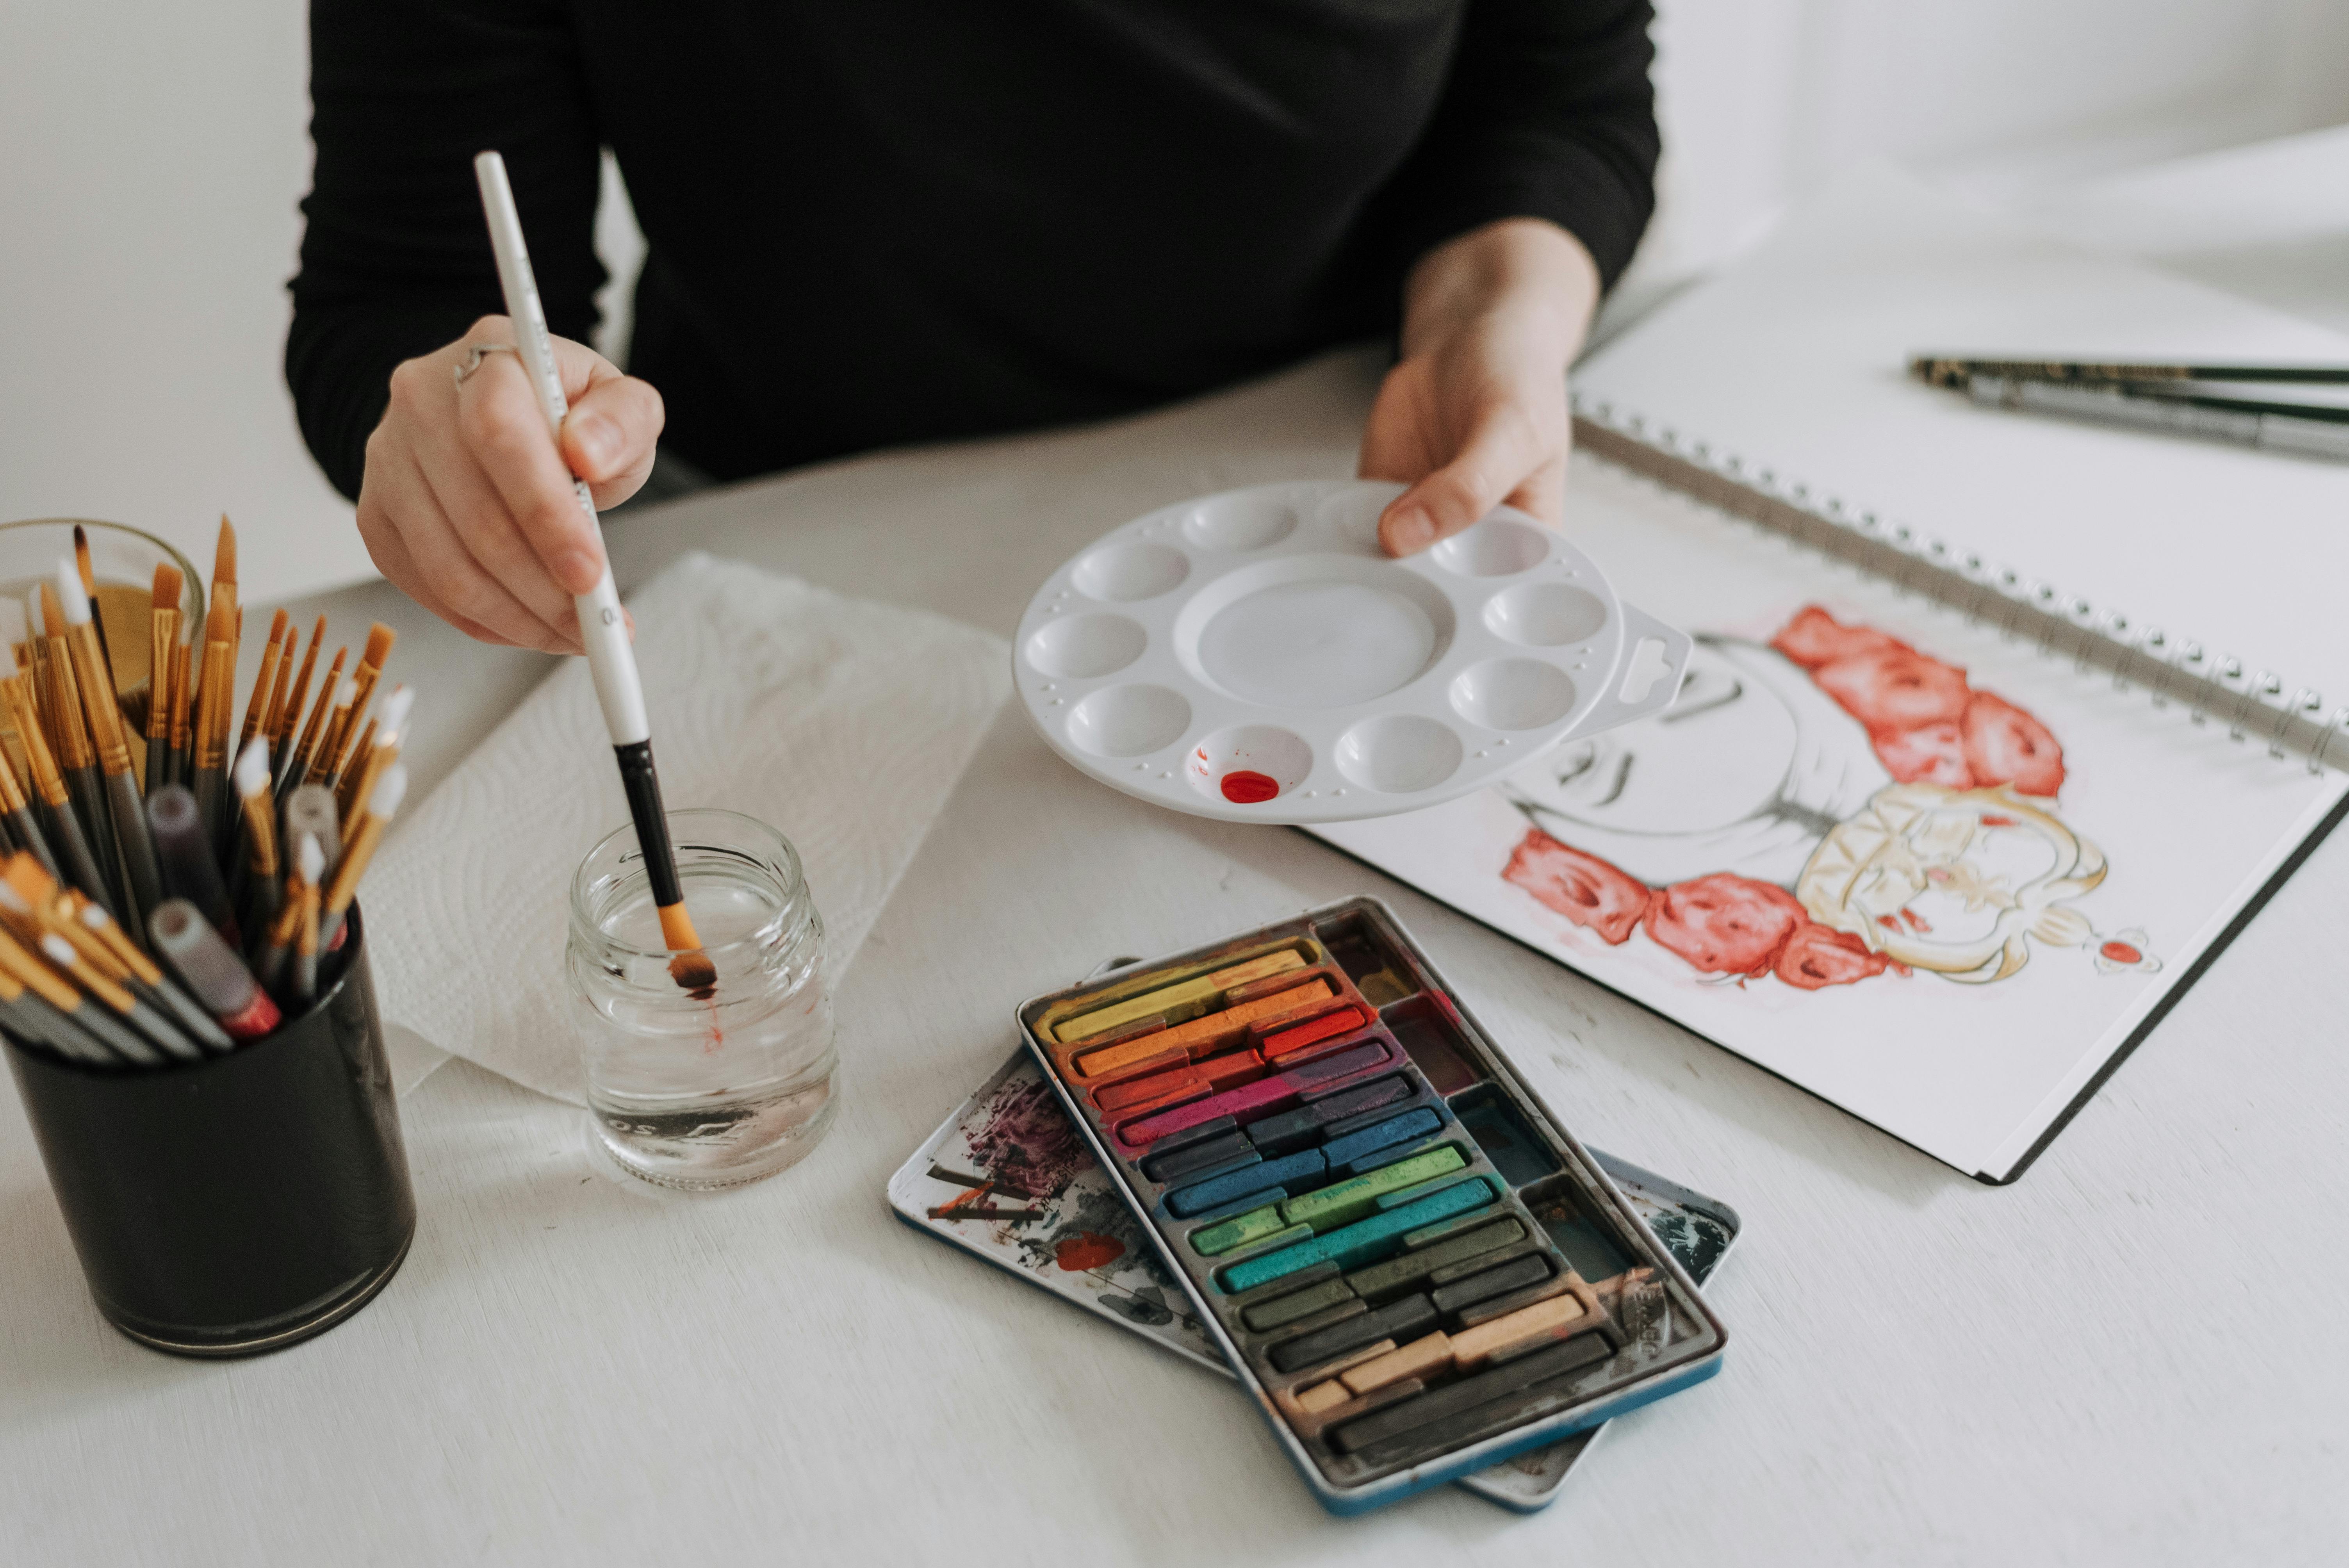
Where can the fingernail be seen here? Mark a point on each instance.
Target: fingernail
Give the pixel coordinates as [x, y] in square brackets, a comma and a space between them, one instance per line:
[577, 570]
[599, 440]
[1411, 531]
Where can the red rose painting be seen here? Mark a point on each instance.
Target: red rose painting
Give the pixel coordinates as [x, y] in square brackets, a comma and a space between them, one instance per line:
[1816, 956]
[1895, 689]
[2005, 745]
[1926, 724]
[1724, 923]
[1930, 754]
[1583, 888]
[1813, 639]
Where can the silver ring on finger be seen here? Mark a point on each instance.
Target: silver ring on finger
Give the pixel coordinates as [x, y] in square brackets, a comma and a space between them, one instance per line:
[475, 352]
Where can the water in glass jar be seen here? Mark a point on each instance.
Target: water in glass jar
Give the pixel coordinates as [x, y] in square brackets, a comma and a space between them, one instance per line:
[702, 1093]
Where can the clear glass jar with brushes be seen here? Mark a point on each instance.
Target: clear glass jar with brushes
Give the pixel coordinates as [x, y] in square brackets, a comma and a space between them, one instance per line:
[715, 1088]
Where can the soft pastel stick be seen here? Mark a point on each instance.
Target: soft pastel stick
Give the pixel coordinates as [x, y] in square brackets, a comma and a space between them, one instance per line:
[1214, 1154]
[1398, 1321]
[1502, 1383]
[1260, 1098]
[1557, 1318]
[1286, 1172]
[1198, 990]
[1350, 1200]
[1227, 1071]
[1380, 1135]
[1275, 1133]
[1515, 1275]
[1281, 1310]
[1202, 1036]
[1423, 1358]
[1256, 1226]
[1468, 1248]
[1358, 1244]
[1329, 1025]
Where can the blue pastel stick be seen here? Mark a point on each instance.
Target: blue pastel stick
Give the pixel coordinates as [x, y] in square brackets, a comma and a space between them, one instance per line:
[1217, 1190]
[1362, 1242]
[1395, 1130]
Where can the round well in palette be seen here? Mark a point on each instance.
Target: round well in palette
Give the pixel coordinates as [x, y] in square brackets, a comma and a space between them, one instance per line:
[1256, 656]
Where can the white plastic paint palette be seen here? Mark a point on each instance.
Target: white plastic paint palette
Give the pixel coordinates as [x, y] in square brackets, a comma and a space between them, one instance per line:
[1255, 656]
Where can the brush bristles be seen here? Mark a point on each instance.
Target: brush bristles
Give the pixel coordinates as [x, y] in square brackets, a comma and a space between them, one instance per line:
[225, 553]
[379, 645]
[168, 583]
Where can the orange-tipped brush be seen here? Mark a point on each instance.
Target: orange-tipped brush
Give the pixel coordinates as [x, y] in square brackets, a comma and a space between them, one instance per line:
[162, 664]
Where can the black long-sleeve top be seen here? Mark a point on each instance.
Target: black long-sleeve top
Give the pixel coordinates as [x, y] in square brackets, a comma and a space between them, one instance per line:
[876, 222]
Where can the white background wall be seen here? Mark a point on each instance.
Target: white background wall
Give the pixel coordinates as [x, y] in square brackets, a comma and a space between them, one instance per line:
[151, 154]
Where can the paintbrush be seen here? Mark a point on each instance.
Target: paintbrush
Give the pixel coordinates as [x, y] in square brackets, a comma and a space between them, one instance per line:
[380, 748]
[30, 1018]
[90, 1022]
[88, 577]
[289, 714]
[79, 956]
[142, 879]
[181, 728]
[163, 662]
[358, 848]
[137, 973]
[264, 683]
[68, 848]
[378, 647]
[294, 766]
[256, 906]
[270, 964]
[61, 706]
[311, 809]
[208, 762]
[17, 809]
[603, 626]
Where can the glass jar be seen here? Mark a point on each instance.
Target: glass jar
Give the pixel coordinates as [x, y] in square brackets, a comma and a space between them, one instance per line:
[711, 1090]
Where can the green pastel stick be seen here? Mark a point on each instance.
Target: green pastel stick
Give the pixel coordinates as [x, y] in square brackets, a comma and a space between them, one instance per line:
[1350, 1200]
[1357, 1244]
[1256, 1226]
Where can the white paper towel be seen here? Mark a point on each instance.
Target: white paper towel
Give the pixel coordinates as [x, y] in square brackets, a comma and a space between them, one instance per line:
[841, 722]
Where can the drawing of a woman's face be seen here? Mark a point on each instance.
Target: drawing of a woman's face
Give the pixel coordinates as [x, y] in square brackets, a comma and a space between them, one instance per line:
[1715, 757]
[1746, 771]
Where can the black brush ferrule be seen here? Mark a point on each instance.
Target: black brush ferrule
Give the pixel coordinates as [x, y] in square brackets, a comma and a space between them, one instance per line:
[642, 783]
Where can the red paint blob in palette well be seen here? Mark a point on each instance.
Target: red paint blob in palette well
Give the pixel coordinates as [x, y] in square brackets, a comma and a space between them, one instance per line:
[1398, 1247]
[1246, 786]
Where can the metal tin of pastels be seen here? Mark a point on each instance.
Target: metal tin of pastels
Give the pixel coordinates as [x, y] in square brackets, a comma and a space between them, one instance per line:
[1012, 1127]
[1611, 1319]
[1255, 656]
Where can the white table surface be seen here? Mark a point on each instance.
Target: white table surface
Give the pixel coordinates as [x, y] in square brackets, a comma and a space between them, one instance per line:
[2125, 1358]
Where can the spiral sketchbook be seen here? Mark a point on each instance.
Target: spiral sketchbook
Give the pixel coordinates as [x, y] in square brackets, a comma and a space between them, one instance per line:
[1975, 767]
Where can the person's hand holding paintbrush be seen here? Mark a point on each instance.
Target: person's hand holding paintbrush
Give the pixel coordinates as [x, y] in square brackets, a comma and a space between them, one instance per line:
[603, 625]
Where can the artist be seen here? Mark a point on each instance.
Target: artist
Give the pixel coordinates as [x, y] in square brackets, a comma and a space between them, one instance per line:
[878, 223]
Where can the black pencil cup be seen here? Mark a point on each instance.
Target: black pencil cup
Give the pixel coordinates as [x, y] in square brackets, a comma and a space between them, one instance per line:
[239, 1204]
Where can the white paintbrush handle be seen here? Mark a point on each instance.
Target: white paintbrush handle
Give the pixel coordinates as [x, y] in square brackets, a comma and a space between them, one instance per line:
[601, 623]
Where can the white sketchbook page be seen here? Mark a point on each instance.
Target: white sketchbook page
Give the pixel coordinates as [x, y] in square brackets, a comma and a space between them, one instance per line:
[1795, 358]
[2189, 824]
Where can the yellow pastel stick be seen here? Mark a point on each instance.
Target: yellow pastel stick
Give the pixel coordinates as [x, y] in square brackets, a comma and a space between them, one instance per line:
[1199, 989]
[1202, 1034]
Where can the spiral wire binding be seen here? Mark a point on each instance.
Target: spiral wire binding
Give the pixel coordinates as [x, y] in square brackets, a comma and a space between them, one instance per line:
[2210, 687]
